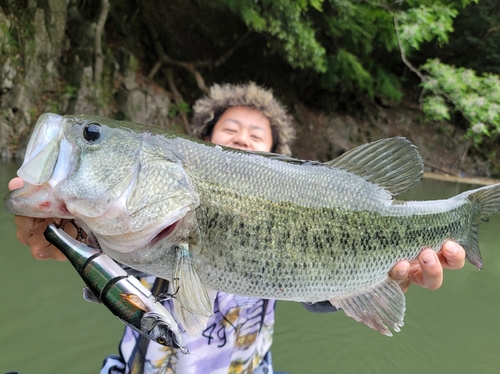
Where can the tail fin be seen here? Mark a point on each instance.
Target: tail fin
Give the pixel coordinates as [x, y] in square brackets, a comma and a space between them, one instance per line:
[488, 200]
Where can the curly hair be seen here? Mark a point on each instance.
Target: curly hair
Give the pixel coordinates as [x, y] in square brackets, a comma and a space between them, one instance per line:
[208, 110]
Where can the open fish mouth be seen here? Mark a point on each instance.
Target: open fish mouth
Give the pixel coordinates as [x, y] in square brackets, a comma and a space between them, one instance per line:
[49, 159]
[164, 233]
[248, 224]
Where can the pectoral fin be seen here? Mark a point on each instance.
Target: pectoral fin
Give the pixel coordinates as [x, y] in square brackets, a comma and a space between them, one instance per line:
[380, 307]
[192, 301]
[193, 323]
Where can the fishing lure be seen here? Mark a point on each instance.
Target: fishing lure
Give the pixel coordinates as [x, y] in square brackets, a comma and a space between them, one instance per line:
[123, 294]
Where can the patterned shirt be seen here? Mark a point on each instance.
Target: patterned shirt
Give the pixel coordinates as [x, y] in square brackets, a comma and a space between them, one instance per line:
[237, 337]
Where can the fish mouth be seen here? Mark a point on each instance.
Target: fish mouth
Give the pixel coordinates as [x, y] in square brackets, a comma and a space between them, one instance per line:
[42, 153]
[46, 163]
[35, 201]
[166, 231]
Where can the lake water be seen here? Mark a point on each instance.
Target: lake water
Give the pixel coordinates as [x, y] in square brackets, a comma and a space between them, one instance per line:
[46, 326]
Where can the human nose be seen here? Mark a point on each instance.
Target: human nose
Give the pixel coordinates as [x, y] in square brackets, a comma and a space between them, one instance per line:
[241, 140]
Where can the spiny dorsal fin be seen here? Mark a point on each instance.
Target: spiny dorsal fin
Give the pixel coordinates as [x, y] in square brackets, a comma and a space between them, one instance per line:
[280, 158]
[393, 164]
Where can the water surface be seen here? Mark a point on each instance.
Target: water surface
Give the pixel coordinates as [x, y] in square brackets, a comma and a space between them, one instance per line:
[455, 329]
[46, 326]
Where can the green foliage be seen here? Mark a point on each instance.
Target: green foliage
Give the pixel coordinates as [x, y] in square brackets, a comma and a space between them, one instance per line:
[287, 27]
[71, 91]
[8, 42]
[387, 84]
[346, 68]
[424, 24]
[358, 36]
[351, 46]
[335, 51]
[475, 43]
[477, 97]
[174, 110]
[13, 35]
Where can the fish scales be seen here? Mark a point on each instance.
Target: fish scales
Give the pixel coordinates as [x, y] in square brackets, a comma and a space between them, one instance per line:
[210, 218]
[242, 219]
[345, 251]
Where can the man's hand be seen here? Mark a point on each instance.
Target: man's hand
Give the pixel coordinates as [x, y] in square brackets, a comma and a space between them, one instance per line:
[427, 270]
[30, 232]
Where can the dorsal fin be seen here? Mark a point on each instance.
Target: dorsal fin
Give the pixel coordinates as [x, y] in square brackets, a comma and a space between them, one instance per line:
[393, 164]
[281, 158]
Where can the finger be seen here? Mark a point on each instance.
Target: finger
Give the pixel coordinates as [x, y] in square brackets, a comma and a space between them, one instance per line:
[15, 183]
[41, 249]
[400, 271]
[429, 273]
[400, 274]
[30, 232]
[45, 252]
[24, 225]
[452, 256]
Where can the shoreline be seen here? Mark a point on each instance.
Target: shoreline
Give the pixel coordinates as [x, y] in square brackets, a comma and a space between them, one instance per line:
[456, 179]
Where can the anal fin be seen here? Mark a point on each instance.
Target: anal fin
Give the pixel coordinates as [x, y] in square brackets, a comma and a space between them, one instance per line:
[381, 307]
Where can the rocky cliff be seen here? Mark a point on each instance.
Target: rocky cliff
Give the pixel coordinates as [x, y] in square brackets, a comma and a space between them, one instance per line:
[58, 56]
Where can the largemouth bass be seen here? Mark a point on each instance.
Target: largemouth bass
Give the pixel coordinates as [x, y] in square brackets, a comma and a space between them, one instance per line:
[211, 218]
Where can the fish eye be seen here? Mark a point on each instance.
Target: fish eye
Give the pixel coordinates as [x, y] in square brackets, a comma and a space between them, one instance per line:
[161, 340]
[92, 132]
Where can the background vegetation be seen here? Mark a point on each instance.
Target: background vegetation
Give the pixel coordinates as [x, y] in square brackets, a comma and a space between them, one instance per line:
[438, 56]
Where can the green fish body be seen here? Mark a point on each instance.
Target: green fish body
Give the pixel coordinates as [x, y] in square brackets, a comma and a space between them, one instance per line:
[213, 218]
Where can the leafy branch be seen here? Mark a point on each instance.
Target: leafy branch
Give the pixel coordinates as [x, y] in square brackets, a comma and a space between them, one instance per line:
[446, 88]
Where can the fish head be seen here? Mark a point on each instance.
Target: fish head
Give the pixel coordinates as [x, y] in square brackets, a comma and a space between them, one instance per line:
[161, 328]
[111, 176]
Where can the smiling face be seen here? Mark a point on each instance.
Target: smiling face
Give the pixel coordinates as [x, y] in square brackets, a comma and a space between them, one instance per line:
[243, 128]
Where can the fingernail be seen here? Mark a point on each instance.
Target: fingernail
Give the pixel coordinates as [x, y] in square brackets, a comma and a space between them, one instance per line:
[401, 271]
[39, 255]
[451, 248]
[429, 259]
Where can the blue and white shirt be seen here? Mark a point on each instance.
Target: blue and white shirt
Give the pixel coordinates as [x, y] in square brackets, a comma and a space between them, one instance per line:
[237, 338]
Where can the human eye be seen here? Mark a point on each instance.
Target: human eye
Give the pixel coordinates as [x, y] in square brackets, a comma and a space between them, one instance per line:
[229, 128]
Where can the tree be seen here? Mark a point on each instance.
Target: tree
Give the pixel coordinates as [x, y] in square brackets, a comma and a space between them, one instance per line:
[350, 46]
[71, 56]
